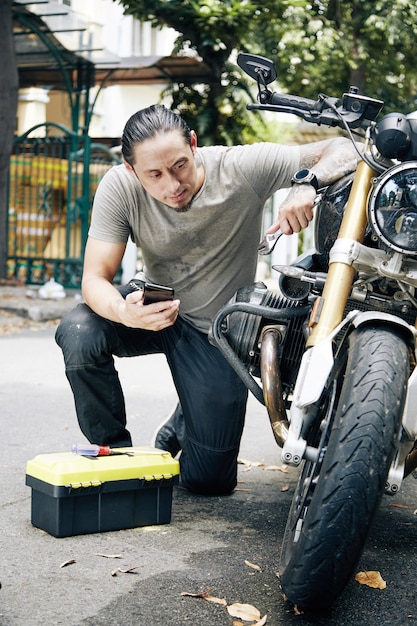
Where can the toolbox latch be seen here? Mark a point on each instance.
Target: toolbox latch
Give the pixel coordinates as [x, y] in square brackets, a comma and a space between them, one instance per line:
[85, 485]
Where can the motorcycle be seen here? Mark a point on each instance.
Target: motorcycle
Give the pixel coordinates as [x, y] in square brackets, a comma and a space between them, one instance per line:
[332, 352]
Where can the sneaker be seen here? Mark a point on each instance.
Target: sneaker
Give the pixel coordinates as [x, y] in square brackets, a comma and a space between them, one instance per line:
[170, 434]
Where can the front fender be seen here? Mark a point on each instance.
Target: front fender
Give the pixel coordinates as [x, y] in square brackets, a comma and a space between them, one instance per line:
[315, 369]
[375, 317]
[318, 361]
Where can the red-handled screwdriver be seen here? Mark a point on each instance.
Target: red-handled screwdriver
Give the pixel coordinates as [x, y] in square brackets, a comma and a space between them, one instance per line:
[91, 449]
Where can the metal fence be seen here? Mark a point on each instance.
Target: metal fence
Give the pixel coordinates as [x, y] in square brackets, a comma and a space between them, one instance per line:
[53, 176]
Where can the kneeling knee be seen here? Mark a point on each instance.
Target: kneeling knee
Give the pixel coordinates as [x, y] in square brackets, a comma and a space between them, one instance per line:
[209, 487]
[81, 334]
[211, 474]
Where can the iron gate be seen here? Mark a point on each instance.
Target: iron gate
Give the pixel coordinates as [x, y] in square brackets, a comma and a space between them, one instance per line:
[52, 180]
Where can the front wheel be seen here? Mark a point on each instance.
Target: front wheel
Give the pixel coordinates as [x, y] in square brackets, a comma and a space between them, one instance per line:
[337, 496]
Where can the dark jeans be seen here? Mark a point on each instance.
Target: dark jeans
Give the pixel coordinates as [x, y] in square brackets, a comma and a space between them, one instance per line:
[212, 396]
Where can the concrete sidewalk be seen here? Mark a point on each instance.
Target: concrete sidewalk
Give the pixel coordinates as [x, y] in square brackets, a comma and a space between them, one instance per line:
[24, 301]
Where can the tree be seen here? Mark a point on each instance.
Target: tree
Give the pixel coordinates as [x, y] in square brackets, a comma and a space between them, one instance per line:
[213, 29]
[320, 46]
[327, 46]
[8, 104]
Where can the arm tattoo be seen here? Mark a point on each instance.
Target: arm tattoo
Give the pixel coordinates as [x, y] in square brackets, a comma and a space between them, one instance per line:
[329, 160]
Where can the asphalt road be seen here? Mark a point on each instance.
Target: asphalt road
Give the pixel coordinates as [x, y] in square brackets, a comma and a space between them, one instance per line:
[206, 545]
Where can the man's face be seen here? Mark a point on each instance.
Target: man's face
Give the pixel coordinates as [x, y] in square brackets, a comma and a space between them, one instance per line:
[165, 166]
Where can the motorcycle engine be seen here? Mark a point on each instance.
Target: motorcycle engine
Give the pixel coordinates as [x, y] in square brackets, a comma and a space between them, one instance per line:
[244, 331]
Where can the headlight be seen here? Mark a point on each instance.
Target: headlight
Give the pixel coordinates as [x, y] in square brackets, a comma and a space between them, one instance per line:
[393, 208]
[392, 135]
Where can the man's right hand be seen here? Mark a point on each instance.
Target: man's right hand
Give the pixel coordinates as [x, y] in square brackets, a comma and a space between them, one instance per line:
[157, 316]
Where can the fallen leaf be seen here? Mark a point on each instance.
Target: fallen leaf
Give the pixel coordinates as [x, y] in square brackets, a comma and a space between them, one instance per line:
[200, 594]
[285, 487]
[246, 612]
[399, 506]
[69, 562]
[415, 512]
[110, 556]
[221, 601]
[297, 611]
[261, 621]
[277, 468]
[250, 464]
[371, 579]
[130, 570]
[253, 566]
[206, 596]
[235, 623]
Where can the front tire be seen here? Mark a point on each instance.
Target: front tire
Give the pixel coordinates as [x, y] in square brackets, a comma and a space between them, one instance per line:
[336, 497]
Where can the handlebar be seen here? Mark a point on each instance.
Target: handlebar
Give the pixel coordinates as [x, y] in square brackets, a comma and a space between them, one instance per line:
[353, 111]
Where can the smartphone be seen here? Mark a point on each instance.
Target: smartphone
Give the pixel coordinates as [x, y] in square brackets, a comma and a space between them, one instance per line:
[156, 293]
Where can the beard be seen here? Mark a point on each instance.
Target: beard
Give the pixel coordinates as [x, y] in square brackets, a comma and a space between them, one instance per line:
[181, 209]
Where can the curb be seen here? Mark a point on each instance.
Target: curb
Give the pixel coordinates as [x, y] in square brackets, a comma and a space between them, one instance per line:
[25, 302]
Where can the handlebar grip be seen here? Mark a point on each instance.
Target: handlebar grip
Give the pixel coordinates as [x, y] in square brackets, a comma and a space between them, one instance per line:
[279, 99]
[292, 101]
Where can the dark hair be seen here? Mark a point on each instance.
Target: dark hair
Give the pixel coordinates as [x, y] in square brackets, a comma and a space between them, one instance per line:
[147, 123]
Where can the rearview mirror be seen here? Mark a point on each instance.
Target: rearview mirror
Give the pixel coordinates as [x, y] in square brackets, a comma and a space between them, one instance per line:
[257, 67]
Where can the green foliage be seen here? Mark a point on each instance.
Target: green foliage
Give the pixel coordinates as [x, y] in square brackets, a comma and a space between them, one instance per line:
[227, 108]
[328, 46]
[212, 29]
[319, 46]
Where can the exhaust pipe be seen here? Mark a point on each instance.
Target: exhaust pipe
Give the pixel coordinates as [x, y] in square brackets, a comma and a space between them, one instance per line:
[410, 461]
[271, 383]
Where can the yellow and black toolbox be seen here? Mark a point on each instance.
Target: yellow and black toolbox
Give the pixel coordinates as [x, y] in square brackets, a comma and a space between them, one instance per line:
[75, 495]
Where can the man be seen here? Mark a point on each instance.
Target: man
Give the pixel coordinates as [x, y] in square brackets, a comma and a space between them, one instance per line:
[196, 214]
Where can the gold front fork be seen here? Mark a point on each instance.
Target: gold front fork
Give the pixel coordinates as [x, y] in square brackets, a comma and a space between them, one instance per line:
[340, 276]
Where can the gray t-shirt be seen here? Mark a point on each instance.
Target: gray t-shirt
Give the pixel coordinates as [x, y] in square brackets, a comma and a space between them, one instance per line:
[210, 251]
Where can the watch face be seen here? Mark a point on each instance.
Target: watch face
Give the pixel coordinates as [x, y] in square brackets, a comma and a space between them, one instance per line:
[305, 176]
[302, 175]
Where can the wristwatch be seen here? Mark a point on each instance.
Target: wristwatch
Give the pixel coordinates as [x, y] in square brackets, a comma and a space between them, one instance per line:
[305, 177]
